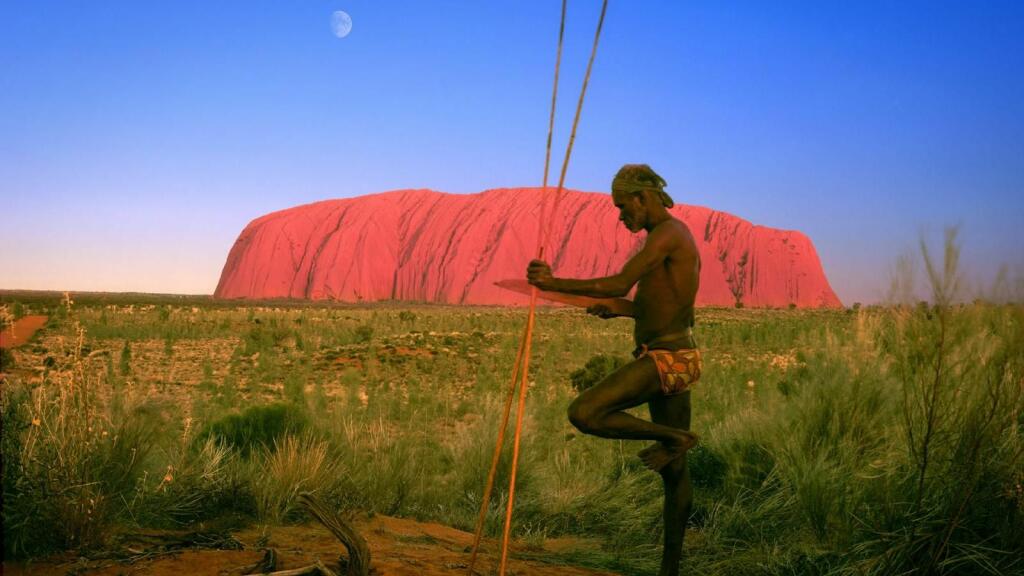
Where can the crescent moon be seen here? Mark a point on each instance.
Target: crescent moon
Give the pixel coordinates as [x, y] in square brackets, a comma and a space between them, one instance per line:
[341, 23]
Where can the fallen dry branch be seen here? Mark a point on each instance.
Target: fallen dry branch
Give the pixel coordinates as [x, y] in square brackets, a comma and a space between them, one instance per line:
[358, 551]
[177, 540]
[266, 565]
[324, 570]
[138, 546]
[311, 570]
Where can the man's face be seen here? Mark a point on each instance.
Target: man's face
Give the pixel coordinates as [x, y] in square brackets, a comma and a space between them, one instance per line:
[631, 210]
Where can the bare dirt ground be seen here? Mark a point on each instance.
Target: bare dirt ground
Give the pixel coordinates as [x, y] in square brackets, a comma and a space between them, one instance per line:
[399, 547]
[19, 332]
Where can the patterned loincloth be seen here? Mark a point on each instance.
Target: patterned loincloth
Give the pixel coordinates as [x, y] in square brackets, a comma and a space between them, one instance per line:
[678, 369]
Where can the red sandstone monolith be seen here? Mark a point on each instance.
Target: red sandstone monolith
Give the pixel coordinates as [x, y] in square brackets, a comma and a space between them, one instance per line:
[426, 246]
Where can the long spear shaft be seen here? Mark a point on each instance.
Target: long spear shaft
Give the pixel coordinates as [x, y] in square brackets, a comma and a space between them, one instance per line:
[546, 230]
[527, 330]
[497, 453]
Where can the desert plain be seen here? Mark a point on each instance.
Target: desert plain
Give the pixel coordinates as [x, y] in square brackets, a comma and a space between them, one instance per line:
[132, 421]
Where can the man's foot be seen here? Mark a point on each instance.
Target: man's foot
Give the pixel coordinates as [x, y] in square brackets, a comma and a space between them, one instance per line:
[660, 454]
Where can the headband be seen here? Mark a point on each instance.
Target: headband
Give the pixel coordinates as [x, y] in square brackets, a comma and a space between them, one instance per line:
[627, 184]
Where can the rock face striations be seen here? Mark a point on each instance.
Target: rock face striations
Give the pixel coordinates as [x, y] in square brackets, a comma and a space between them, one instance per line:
[427, 246]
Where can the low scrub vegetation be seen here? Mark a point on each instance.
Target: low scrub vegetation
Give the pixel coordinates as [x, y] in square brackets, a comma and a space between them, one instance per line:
[875, 440]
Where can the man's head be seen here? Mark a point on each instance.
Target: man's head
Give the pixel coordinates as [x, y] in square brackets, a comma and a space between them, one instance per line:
[636, 191]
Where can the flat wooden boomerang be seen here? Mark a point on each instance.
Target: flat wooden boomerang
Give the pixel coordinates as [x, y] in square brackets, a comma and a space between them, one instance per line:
[524, 287]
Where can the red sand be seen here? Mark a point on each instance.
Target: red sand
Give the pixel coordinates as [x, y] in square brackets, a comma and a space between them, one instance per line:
[398, 547]
[427, 246]
[20, 332]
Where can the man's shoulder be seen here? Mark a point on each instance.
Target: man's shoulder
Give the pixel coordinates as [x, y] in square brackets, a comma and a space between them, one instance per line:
[676, 237]
[673, 227]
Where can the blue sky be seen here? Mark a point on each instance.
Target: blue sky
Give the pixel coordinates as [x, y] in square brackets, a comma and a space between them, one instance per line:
[138, 139]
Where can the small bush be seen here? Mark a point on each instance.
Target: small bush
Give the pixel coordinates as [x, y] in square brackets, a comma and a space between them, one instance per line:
[200, 483]
[595, 370]
[364, 333]
[295, 389]
[125, 363]
[70, 460]
[257, 427]
[707, 467]
[293, 466]
[207, 383]
[256, 340]
[6, 359]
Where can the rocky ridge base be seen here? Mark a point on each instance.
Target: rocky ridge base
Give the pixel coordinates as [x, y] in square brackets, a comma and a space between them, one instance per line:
[427, 246]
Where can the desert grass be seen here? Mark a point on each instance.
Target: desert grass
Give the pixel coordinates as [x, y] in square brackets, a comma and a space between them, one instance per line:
[875, 440]
[294, 465]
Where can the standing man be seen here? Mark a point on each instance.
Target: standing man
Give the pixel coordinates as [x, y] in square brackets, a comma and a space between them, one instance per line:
[666, 272]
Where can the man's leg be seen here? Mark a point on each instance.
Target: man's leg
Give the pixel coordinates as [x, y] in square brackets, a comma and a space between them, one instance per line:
[674, 411]
[599, 411]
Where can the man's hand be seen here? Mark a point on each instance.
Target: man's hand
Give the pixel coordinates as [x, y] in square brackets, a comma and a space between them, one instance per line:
[601, 311]
[539, 274]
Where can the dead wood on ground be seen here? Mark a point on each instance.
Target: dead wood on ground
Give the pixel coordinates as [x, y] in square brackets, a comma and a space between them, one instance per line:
[358, 550]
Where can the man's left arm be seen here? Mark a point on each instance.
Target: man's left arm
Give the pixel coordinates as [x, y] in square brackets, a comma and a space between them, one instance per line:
[612, 308]
[657, 247]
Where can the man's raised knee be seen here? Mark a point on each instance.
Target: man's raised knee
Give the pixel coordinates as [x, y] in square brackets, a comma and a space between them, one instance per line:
[582, 416]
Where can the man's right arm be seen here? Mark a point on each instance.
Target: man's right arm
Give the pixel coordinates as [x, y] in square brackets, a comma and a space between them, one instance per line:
[656, 248]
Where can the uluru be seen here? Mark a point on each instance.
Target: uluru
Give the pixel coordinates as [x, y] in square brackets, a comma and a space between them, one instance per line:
[428, 246]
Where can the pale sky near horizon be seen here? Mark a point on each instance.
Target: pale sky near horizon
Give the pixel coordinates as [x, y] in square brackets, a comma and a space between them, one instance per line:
[137, 140]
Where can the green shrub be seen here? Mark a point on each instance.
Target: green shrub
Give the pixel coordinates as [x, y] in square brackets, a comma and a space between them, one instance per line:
[125, 363]
[294, 465]
[256, 340]
[260, 338]
[707, 467]
[364, 333]
[595, 370]
[956, 371]
[257, 427]
[207, 383]
[201, 482]
[6, 359]
[295, 389]
[72, 458]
